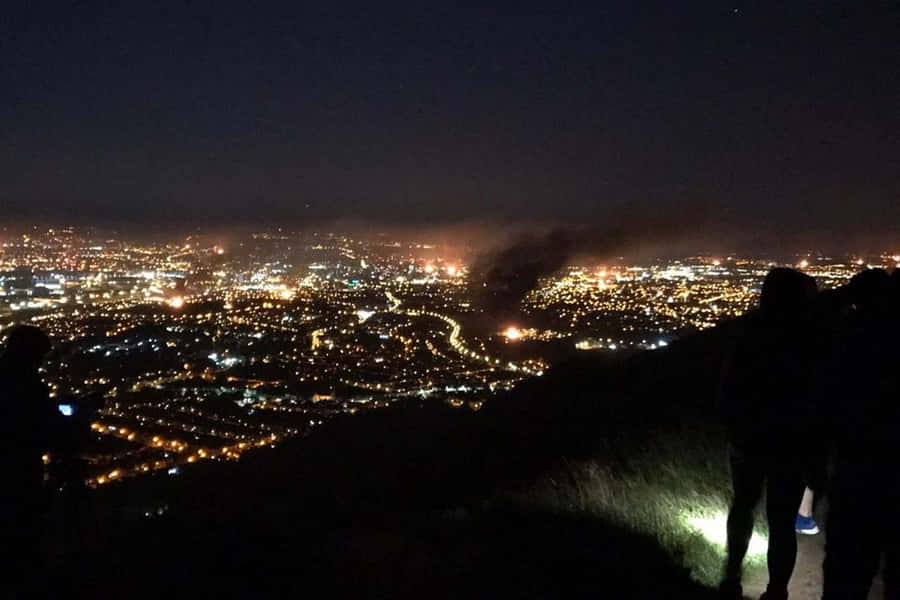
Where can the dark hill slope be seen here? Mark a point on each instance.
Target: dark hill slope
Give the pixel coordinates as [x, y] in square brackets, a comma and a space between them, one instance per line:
[422, 454]
[397, 502]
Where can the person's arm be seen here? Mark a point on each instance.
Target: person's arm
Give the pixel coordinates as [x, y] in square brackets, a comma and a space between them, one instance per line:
[732, 390]
[51, 423]
[826, 409]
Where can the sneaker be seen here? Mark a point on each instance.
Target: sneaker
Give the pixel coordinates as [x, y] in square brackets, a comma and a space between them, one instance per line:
[806, 525]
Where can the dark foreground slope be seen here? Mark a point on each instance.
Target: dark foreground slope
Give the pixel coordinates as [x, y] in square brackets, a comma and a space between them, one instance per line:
[423, 500]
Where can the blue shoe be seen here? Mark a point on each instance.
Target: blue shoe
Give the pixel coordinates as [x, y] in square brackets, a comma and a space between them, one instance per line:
[806, 525]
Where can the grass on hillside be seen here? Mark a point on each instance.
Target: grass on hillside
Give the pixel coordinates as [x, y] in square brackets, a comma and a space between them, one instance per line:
[672, 485]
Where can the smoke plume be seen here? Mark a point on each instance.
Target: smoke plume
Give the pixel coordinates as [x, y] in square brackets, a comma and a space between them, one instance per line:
[503, 277]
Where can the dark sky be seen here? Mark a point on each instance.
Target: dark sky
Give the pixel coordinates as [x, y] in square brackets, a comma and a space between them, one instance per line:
[763, 113]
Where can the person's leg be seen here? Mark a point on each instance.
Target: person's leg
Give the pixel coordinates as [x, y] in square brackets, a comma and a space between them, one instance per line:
[785, 490]
[804, 522]
[806, 504]
[891, 573]
[747, 478]
[20, 544]
[890, 511]
[852, 548]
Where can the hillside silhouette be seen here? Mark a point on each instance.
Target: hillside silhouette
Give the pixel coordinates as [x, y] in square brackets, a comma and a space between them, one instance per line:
[424, 499]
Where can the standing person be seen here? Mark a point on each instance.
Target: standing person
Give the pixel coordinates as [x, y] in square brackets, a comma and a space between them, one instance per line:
[27, 419]
[766, 404]
[863, 521]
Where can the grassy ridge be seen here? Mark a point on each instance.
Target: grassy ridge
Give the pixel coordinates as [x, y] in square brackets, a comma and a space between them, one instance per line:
[675, 491]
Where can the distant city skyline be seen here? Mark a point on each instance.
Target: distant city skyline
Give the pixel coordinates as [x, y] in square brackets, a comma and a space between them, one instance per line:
[211, 349]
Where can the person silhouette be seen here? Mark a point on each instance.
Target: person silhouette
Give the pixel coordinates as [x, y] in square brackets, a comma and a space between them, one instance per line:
[765, 397]
[27, 420]
[863, 521]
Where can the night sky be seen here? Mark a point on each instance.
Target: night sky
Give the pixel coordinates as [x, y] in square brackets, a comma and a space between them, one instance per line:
[764, 115]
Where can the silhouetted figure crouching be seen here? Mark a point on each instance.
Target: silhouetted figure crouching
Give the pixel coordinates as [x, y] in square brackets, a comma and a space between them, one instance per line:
[864, 509]
[766, 403]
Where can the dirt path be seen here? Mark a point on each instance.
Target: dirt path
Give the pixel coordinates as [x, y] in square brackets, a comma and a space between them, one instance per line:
[806, 583]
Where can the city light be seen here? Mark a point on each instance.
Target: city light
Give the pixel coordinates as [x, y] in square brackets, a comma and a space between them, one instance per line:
[512, 333]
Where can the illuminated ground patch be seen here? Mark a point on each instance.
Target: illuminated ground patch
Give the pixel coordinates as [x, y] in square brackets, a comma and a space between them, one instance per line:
[714, 530]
